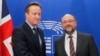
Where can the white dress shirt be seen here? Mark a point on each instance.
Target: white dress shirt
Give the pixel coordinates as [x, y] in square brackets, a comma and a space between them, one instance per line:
[67, 39]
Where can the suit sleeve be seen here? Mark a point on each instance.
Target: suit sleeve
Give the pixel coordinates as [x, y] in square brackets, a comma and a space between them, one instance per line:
[19, 44]
[92, 47]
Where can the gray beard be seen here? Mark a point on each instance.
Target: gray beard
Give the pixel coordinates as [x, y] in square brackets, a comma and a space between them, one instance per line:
[71, 32]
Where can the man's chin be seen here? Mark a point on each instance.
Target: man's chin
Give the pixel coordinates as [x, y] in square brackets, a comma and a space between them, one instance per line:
[34, 24]
[69, 30]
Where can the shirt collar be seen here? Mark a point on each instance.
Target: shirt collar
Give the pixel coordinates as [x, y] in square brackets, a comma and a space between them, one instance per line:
[74, 34]
[30, 25]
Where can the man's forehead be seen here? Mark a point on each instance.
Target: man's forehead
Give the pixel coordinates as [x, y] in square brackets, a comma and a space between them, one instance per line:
[68, 17]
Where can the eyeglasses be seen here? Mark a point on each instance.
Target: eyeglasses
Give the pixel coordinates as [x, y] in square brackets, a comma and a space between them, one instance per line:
[66, 21]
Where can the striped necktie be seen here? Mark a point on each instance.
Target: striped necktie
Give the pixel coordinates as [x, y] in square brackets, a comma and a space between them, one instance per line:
[71, 45]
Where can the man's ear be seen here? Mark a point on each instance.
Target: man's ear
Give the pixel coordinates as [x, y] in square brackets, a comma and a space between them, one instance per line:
[26, 14]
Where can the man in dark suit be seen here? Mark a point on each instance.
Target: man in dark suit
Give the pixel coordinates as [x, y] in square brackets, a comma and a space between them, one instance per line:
[74, 43]
[28, 39]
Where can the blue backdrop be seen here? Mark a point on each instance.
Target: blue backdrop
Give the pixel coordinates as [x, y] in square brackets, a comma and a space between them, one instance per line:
[87, 13]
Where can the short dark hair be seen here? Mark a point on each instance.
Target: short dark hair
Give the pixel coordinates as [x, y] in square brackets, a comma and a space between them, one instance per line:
[31, 4]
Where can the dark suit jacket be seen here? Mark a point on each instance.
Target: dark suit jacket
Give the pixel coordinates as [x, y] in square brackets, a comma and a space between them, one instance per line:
[85, 46]
[25, 43]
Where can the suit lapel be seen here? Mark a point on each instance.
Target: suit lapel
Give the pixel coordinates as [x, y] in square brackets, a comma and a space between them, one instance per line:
[79, 40]
[79, 43]
[63, 46]
[41, 37]
[30, 34]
